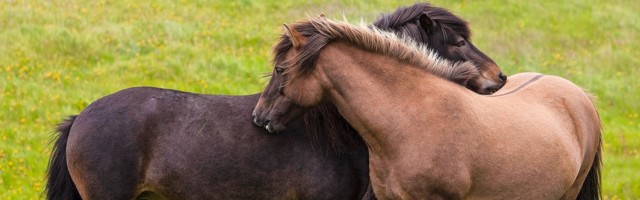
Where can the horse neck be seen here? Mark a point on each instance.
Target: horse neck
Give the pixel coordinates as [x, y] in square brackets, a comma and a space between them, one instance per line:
[375, 93]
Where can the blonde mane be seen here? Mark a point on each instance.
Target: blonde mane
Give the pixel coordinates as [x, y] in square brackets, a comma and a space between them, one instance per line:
[321, 31]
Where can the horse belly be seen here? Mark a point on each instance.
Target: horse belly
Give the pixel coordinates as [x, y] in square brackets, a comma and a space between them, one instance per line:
[427, 178]
[249, 164]
[536, 161]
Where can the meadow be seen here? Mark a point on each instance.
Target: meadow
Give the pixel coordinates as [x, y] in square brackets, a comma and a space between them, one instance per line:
[56, 57]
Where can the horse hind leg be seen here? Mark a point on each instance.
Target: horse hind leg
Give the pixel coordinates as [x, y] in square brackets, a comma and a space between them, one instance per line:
[101, 173]
[77, 170]
[104, 184]
[588, 184]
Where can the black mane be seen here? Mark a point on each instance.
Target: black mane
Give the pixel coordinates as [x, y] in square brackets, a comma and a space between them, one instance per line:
[405, 20]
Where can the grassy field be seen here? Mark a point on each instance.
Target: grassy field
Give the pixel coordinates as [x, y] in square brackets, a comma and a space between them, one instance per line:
[56, 57]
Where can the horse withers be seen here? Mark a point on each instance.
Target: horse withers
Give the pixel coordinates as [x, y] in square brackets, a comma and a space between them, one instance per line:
[427, 136]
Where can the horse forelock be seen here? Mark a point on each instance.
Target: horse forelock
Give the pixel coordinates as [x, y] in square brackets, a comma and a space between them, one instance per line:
[406, 19]
[305, 59]
[450, 23]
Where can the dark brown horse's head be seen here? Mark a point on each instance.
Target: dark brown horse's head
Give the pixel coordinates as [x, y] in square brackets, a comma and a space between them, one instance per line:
[449, 36]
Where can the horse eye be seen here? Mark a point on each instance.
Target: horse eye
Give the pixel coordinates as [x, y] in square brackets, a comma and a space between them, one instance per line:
[279, 70]
[460, 43]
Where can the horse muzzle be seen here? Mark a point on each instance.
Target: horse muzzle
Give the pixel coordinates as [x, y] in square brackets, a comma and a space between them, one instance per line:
[486, 86]
[270, 125]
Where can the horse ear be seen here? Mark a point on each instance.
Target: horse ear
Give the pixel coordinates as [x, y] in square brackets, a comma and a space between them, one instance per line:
[427, 23]
[294, 36]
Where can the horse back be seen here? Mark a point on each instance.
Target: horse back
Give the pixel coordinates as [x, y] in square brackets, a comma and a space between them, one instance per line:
[566, 99]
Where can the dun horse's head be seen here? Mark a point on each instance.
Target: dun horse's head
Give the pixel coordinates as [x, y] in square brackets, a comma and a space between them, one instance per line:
[281, 101]
[457, 47]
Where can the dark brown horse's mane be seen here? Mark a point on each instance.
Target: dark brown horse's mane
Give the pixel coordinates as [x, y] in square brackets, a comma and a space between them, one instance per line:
[326, 126]
[324, 122]
[405, 21]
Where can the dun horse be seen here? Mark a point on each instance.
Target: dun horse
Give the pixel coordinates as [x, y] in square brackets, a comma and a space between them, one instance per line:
[157, 143]
[428, 137]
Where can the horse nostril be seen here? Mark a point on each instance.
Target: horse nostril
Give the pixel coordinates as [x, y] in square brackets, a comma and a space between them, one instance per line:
[259, 122]
[502, 76]
[255, 121]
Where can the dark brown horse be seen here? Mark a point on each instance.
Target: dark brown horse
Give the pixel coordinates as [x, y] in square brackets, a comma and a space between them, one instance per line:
[157, 143]
[429, 138]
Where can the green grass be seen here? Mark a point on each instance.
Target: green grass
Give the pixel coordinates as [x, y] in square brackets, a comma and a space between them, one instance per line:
[56, 57]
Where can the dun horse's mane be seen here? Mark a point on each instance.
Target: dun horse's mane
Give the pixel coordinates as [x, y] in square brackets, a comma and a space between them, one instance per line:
[323, 122]
[406, 50]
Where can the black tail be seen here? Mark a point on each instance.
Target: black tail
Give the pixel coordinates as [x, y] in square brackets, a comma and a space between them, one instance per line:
[591, 186]
[59, 183]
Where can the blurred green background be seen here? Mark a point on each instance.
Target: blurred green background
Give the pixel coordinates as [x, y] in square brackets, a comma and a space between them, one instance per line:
[56, 57]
